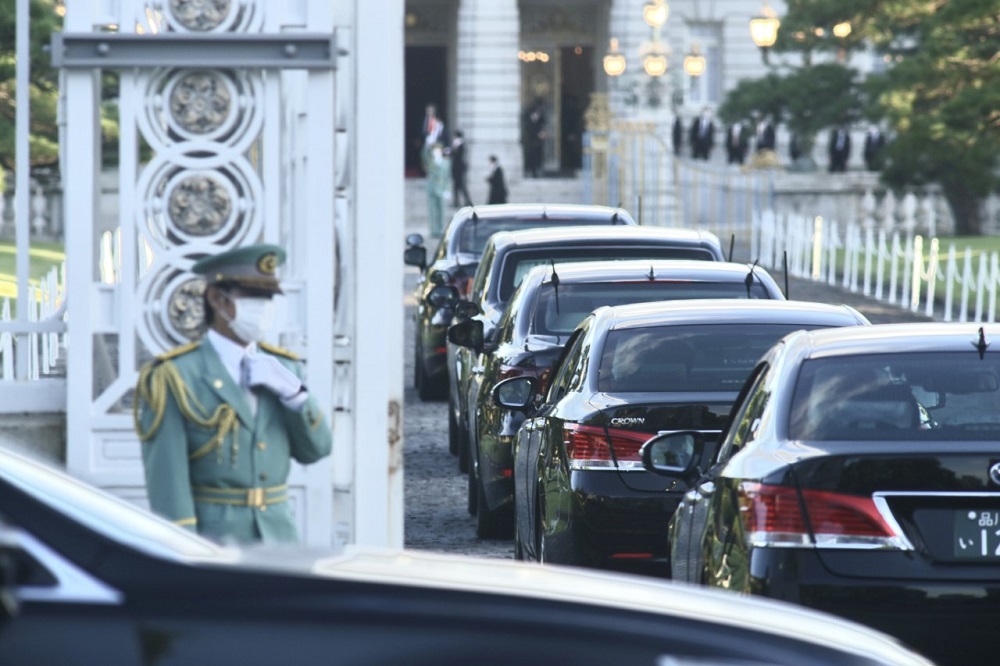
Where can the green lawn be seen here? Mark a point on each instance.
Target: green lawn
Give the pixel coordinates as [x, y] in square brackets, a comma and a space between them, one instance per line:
[44, 256]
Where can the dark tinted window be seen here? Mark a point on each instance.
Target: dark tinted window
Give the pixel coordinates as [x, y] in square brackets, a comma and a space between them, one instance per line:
[472, 236]
[557, 312]
[517, 264]
[686, 358]
[898, 396]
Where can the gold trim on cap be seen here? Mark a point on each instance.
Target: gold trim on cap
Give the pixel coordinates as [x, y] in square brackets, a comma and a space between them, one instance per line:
[268, 263]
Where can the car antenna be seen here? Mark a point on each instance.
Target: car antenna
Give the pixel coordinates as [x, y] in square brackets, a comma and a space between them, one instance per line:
[614, 217]
[545, 213]
[732, 243]
[981, 344]
[784, 261]
[555, 282]
[748, 281]
[651, 275]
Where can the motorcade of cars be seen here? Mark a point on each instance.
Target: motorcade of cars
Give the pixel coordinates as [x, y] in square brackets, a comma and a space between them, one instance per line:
[531, 332]
[88, 578]
[581, 494]
[509, 255]
[859, 474]
[455, 261]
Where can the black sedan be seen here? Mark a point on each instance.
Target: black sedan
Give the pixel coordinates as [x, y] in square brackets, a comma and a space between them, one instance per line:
[455, 262]
[582, 496]
[509, 255]
[860, 474]
[86, 578]
[531, 332]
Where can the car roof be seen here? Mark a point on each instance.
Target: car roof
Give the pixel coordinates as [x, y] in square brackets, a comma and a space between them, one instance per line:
[895, 338]
[621, 270]
[603, 235]
[727, 311]
[535, 211]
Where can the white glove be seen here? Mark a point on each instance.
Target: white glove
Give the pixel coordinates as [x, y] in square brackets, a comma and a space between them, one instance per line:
[267, 371]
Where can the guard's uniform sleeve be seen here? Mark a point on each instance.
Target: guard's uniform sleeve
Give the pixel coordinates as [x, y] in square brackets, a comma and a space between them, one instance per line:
[309, 434]
[165, 460]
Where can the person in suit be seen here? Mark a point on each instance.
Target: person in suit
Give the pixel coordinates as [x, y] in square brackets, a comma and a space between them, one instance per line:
[874, 143]
[459, 171]
[437, 166]
[221, 419]
[839, 149]
[764, 135]
[498, 186]
[702, 136]
[736, 143]
[534, 138]
[678, 135]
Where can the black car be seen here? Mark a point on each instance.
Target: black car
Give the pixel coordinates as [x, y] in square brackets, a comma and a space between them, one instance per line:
[859, 474]
[455, 262]
[509, 255]
[582, 496]
[531, 332]
[86, 578]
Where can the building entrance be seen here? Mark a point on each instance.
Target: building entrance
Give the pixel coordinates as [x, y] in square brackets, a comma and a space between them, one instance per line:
[426, 83]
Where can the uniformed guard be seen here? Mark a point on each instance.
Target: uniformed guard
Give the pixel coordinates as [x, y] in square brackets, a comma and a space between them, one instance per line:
[221, 419]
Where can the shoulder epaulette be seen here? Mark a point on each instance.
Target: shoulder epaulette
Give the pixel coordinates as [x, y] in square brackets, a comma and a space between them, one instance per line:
[177, 351]
[278, 351]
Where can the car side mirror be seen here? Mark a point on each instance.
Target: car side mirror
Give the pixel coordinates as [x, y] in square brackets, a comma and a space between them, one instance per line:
[443, 296]
[515, 393]
[674, 454]
[415, 256]
[467, 333]
[465, 310]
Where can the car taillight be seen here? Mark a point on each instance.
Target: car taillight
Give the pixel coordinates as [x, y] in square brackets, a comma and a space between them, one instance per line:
[782, 516]
[589, 447]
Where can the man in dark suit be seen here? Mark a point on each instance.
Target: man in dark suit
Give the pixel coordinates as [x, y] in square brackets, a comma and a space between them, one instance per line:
[702, 136]
[678, 135]
[459, 171]
[839, 149]
[764, 137]
[874, 143]
[736, 143]
[498, 186]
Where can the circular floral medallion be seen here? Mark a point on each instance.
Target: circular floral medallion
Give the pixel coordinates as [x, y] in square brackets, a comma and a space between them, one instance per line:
[200, 102]
[186, 309]
[201, 15]
[199, 205]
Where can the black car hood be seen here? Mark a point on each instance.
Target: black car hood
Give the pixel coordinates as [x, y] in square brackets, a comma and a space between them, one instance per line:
[647, 414]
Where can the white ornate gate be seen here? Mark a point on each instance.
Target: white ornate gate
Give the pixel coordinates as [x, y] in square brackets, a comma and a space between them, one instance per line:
[232, 131]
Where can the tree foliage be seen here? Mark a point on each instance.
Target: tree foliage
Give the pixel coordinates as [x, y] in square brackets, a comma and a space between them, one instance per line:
[44, 83]
[939, 91]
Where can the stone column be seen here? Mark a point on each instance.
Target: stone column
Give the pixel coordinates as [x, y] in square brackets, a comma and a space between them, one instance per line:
[488, 88]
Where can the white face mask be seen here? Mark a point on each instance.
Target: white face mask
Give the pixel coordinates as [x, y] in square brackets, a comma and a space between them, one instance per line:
[252, 319]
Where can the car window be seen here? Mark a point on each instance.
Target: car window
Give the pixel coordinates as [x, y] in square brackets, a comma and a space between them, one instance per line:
[744, 422]
[692, 358]
[517, 263]
[558, 311]
[472, 236]
[481, 278]
[883, 397]
[568, 370]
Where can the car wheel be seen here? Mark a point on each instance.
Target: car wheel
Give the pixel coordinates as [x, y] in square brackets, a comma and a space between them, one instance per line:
[491, 524]
[428, 389]
[472, 493]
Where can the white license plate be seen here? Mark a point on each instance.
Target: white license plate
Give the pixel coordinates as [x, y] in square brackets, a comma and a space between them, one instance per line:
[977, 534]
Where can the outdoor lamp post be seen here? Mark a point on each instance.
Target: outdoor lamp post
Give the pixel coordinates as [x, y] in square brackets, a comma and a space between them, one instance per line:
[694, 62]
[764, 30]
[614, 62]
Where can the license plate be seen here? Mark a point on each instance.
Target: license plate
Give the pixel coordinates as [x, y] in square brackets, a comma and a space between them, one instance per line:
[977, 534]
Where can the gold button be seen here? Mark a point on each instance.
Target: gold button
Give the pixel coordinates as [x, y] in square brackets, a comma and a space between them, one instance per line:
[263, 508]
[217, 383]
[261, 445]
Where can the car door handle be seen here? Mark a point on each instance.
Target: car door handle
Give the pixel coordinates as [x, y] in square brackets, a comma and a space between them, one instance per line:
[706, 489]
[477, 369]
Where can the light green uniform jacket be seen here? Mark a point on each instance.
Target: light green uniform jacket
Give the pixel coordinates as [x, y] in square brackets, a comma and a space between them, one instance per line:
[210, 464]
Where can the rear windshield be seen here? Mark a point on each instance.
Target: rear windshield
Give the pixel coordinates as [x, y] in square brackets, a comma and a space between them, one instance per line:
[715, 357]
[472, 236]
[558, 311]
[517, 264]
[898, 396]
